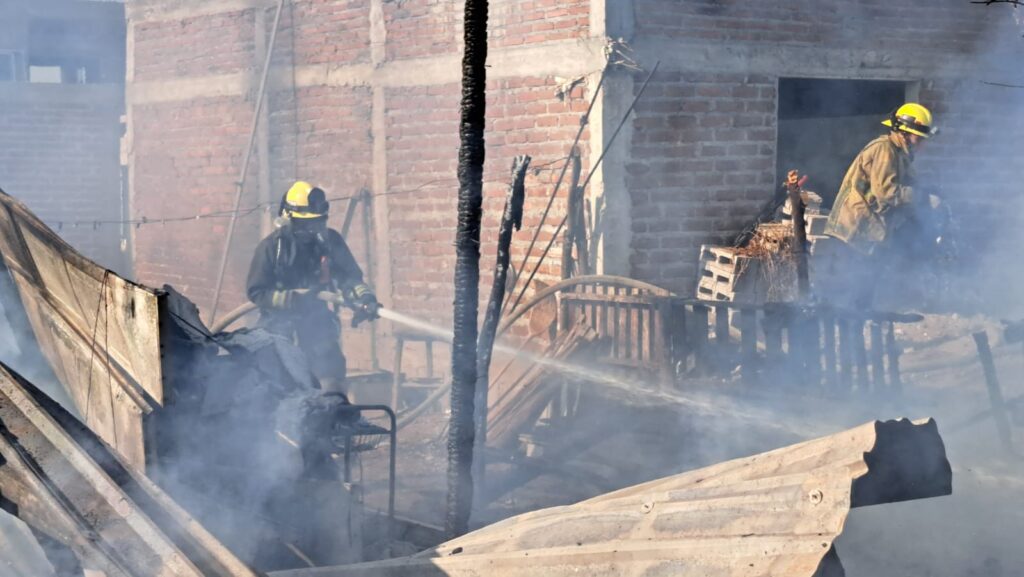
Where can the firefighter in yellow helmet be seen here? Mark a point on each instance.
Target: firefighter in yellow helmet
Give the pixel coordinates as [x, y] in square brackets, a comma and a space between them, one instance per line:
[877, 196]
[295, 263]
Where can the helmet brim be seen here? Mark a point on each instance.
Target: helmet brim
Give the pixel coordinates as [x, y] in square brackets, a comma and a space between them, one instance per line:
[306, 215]
[904, 128]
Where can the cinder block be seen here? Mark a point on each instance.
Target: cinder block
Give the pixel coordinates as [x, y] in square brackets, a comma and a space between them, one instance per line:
[815, 225]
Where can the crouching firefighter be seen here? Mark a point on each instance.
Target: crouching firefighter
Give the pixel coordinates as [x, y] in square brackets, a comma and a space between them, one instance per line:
[293, 266]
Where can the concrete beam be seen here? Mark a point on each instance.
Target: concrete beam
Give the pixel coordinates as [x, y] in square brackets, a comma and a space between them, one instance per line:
[170, 10]
[567, 58]
[192, 88]
[800, 61]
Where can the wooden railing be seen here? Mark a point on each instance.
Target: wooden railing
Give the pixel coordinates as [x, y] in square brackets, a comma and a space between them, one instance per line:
[677, 339]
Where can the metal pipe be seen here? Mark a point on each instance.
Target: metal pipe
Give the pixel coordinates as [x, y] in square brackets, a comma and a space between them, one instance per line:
[245, 163]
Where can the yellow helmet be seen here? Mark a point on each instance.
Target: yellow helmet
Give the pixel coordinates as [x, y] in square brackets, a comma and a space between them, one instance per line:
[303, 200]
[912, 118]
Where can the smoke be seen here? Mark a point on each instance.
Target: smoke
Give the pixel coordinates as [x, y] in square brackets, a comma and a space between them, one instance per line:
[973, 164]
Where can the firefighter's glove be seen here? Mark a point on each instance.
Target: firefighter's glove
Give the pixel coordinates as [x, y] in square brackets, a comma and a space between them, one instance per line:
[364, 305]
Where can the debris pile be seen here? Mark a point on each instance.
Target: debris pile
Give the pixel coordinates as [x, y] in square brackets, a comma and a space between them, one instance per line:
[760, 268]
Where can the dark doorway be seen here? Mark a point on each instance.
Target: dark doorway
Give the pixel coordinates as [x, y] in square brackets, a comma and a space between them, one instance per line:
[823, 124]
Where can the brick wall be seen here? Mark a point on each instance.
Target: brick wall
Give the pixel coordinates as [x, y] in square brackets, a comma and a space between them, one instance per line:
[953, 25]
[188, 151]
[517, 22]
[187, 160]
[194, 46]
[524, 117]
[703, 152]
[59, 155]
[703, 162]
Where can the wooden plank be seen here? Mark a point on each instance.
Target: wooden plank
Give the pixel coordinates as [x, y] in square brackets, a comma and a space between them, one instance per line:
[660, 345]
[115, 519]
[722, 330]
[772, 328]
[845, 355]
[611, 298]
[877, 357]
[748, 355]
[677, 329]
[860, 356]
[828, 324]
[641, 334]
[699, 333]
[995, 392]
[892, 352]
[616, 329]
[628, 337]
[812, 356]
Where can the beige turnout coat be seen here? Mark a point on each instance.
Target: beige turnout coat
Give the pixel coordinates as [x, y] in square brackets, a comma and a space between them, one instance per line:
[876, 195]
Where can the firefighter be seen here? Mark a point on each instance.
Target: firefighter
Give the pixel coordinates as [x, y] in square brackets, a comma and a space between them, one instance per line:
[877, 198]
[292, 266]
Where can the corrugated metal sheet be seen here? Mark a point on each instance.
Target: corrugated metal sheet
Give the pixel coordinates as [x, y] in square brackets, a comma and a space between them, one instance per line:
[99, 332]
[774, 514]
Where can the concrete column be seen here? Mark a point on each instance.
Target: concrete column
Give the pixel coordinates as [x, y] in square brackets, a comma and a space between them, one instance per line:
[378, 122]
[608, 196]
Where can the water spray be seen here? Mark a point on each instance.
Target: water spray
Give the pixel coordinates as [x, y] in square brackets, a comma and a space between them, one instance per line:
[709, 407]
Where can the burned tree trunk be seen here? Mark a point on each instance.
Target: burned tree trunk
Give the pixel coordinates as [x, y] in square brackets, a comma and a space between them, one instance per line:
[467, 269]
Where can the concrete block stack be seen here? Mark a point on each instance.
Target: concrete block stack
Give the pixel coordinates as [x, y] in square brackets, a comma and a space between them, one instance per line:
[762, 271]
[727, 274]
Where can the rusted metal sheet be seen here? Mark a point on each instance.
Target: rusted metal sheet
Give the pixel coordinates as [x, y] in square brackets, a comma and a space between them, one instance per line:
[773, 514]
[66, 484]
[99, 332]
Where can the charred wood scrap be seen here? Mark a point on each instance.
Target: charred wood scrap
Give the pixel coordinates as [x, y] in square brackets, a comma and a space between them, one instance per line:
[995, 392]
[72, 488]
[777, 513]
[99, 333]
[511, 220]
[522, 392]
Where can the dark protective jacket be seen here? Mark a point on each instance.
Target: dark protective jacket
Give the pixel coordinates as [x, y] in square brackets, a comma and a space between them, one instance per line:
[876, 196]
[281, 264]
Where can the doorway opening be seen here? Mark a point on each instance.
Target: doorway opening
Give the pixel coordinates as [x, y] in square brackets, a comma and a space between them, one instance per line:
[823, 124]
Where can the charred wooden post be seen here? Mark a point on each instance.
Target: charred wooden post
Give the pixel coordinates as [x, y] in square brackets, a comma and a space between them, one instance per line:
[467, 268]
[748, 345]
[722, 330]
[995, 392]
[794, 182]
[877, 357]
[861, 355]
[845, 355]
[812, 354]
[575, 234]
[699, 337]
[829, 327]
[511, 220]
[892, 352]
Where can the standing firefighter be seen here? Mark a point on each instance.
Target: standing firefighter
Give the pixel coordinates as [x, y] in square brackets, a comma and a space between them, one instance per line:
[876, 199]
[299, 260]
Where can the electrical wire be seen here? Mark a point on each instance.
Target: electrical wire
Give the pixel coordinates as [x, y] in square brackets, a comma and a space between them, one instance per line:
[264, 206]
